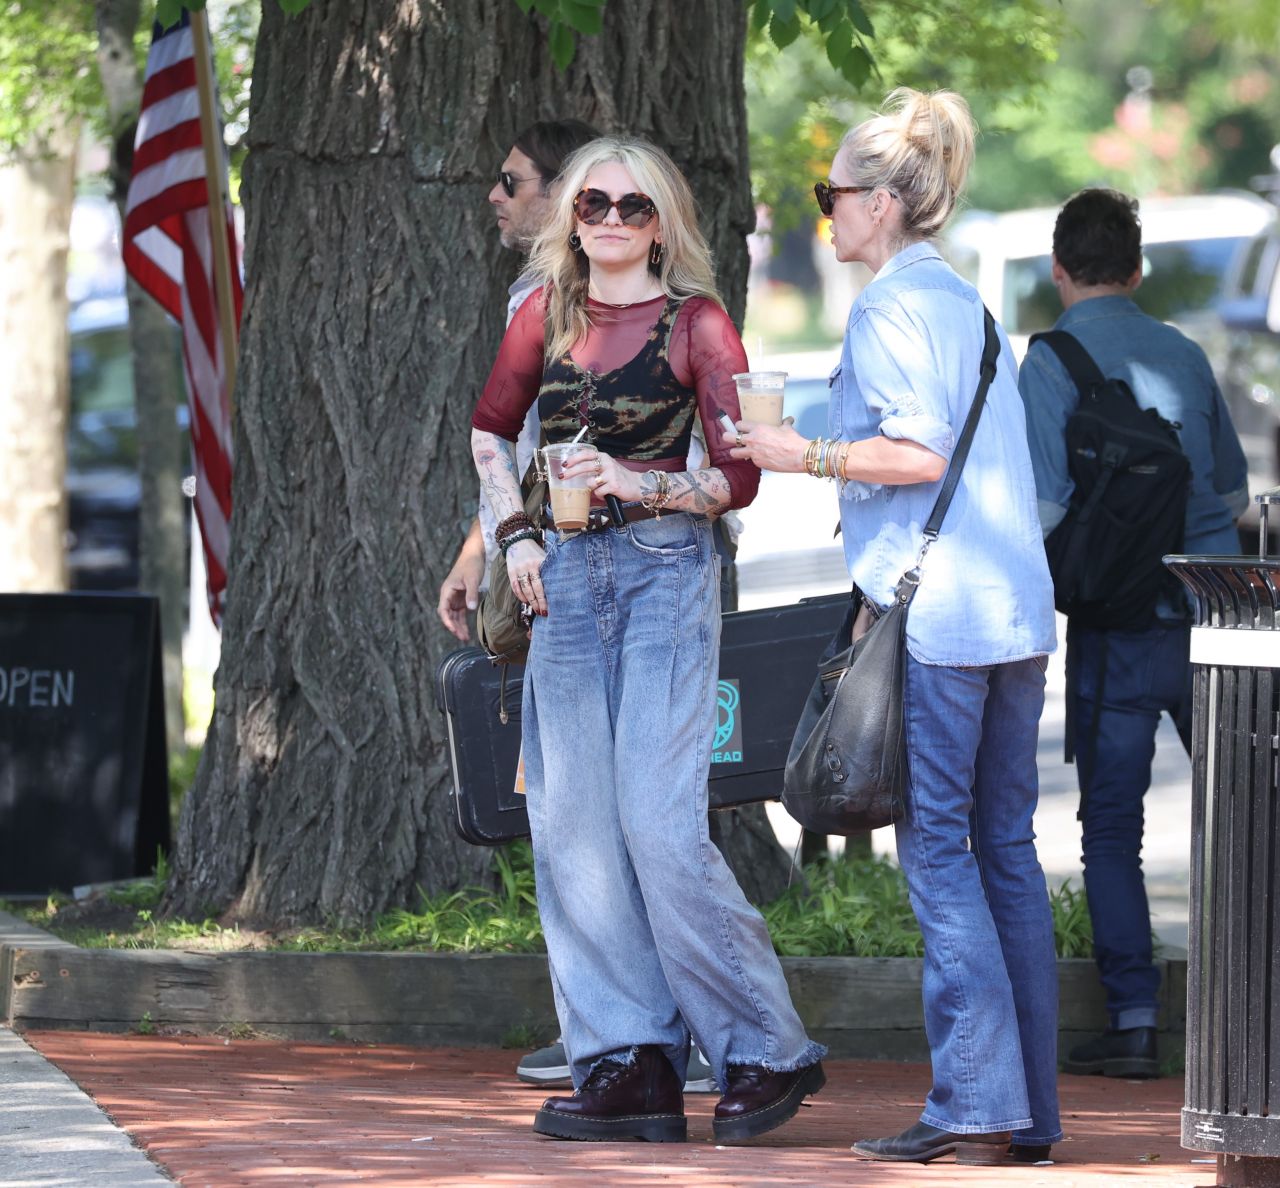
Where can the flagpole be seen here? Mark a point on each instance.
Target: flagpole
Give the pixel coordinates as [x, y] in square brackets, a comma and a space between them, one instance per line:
[216, 176]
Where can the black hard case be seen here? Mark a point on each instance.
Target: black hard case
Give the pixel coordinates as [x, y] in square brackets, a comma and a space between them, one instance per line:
[767, 662]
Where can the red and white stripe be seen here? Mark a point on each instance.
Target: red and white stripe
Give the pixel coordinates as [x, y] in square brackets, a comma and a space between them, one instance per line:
[168, 249]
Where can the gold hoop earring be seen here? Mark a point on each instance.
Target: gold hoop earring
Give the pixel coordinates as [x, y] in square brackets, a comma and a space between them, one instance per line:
[655, 255]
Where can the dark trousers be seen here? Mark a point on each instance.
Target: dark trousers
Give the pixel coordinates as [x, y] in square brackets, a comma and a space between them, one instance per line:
[1147, 673]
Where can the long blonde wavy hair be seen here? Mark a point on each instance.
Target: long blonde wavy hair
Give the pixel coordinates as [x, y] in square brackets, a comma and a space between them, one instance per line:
[685, 270]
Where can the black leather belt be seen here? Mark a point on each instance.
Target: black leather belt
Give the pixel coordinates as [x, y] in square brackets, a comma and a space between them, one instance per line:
[598, 518]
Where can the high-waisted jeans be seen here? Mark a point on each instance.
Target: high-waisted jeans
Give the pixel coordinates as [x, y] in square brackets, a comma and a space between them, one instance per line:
[648, 934]
[967, 848]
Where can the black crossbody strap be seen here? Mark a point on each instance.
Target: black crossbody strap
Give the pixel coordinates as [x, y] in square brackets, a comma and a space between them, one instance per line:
[910, 580]
[990, 353]
[1084, 372]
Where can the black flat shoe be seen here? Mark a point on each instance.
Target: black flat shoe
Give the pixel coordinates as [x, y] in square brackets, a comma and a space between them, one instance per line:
[1027, 1153]
[922, 1143]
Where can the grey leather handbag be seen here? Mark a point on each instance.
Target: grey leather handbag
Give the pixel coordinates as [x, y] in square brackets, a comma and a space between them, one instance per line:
[847, 771]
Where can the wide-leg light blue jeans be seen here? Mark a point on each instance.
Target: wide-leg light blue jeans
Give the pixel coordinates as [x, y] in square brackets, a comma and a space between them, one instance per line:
[646, 927]
[967, 848]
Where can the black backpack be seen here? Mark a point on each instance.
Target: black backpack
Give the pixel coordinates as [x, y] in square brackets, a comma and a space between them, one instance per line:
[1129, 506]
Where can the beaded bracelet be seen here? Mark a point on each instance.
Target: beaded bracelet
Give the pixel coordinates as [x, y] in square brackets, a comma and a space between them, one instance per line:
[530, 533]
[513, 523]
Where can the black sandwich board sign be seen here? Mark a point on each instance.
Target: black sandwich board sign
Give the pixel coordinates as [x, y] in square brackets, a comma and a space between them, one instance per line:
[84, 794]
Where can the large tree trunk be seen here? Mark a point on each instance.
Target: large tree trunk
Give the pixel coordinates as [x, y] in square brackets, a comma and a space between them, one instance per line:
[375, 302]
[157, 377]
[36, 192]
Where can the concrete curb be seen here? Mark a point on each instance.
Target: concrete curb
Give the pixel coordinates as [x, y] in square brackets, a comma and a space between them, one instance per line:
[52, 1133]
[861, 1007]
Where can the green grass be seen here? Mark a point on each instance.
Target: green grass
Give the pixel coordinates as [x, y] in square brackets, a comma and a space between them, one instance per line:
[842, 907]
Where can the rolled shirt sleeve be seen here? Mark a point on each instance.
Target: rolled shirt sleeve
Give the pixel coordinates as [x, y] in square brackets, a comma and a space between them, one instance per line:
[900, 381]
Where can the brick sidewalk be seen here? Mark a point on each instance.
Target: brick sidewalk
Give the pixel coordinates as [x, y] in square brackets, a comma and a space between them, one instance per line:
[224, 1113]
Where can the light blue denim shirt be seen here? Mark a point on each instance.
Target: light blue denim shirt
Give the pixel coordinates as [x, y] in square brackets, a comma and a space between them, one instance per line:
[909, 371]
[1167, 372]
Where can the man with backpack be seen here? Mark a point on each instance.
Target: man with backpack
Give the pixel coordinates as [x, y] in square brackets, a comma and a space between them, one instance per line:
[1135, 457]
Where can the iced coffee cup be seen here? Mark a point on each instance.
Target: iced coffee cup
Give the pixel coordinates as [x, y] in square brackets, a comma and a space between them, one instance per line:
[570, 497]
[760, 395]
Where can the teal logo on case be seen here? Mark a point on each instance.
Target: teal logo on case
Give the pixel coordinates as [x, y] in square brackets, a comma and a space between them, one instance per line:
[726, 746]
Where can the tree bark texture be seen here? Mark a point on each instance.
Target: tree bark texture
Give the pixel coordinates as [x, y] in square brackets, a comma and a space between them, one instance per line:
[158, 383]
[35, 221]
[375, 304]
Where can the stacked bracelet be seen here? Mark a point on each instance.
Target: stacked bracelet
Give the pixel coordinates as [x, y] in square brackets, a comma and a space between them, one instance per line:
[519, 534]
[517, 526]
[825, 458]
[661, 495]
[512, 523]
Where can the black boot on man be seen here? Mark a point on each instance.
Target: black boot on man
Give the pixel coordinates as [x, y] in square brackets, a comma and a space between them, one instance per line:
[641, 1100]
[923, 1143]
[1128, 1053]
[759, 1100]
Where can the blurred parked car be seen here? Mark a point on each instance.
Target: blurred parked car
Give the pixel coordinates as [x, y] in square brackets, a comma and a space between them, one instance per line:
[1249, 348]
[104, 490]
[1189, 247]
[1203, 258]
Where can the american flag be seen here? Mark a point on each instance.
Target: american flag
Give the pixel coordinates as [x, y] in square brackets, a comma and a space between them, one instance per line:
[168, 249]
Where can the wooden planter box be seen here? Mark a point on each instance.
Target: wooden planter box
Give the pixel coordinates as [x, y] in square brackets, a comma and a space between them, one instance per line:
[861, 1007]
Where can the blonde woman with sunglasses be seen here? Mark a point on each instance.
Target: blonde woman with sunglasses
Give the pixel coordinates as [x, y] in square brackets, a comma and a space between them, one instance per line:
[648, 934]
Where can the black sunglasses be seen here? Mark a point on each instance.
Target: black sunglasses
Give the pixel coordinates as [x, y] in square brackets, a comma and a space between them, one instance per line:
[826, 193]
[509, 181]
[635, 210]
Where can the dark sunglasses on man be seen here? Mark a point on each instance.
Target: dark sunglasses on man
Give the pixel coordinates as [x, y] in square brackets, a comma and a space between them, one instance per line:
[592, 207]
[509, 181]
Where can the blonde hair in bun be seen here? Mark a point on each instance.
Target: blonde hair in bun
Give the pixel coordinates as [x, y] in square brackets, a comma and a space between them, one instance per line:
[920, 147]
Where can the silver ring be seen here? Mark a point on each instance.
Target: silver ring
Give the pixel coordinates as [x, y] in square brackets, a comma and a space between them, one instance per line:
[524, 577]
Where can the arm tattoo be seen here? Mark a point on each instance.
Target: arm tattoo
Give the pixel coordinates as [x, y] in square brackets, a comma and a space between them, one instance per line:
[495, 461]
[705, 491]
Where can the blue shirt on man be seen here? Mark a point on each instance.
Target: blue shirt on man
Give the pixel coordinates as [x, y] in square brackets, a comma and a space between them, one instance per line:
[1166, 371]
[909, 371]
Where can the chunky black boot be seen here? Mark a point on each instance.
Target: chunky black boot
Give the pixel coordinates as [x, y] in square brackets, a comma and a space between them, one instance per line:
[641, 1100]
[1130, 1053]
[759, 1100]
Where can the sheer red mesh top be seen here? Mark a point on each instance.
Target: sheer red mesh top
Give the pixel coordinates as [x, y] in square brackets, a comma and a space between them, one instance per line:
[635, 381]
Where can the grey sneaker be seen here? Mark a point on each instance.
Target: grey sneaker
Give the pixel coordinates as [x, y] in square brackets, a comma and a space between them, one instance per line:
[546, 1066]
[550, 1066]
[697, 1077]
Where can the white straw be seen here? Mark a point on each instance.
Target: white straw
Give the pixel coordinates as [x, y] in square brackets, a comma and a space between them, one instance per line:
[581, 432]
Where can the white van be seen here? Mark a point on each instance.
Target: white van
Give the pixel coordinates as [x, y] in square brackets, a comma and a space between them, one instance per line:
[1194, 250]
[1189, 246]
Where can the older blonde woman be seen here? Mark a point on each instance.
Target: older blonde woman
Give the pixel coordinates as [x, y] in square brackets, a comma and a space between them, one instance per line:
[978, 633]
[647, 932]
